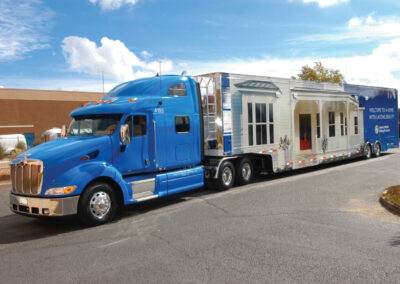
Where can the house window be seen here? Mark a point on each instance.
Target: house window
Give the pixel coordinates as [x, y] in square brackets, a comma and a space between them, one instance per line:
[182, 124]
[271, 123]
[177, 90]
[318, 126]
[342, 124]
[250, 123]
[139, 125]
[345, 126]
[260, 123]
[331, 124]
[355, 125]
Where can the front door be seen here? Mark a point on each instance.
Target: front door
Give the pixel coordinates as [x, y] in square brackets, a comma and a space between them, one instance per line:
[134, 157]
[305, 132]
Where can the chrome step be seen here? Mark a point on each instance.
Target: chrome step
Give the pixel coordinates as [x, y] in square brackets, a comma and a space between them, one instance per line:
[143, 196]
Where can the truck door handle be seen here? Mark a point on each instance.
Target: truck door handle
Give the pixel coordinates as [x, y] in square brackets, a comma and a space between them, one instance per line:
[155, 141]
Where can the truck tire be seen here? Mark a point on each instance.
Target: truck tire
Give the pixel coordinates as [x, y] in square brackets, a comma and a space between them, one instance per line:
[378, 150]
[244, 172]
[98, 204]
[368, 152]
[226, 176]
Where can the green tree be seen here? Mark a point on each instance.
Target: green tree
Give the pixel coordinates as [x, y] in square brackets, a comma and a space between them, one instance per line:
[320, 74]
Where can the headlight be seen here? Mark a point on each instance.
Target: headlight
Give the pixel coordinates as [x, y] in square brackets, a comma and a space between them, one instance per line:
[60, 190]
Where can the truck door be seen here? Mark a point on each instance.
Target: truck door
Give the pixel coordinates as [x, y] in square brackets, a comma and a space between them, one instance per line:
[134, 157]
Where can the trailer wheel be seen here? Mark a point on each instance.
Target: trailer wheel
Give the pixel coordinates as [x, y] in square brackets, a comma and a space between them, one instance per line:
[244, 171]
[226, 176]
[368, 152]
[98, 204]
[378, 150]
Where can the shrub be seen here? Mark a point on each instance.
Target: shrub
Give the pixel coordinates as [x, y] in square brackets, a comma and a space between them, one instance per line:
[2, 152]
[20, 146]
[15, 153]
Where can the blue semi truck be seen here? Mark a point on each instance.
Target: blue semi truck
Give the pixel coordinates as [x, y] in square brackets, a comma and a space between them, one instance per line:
[158, 136]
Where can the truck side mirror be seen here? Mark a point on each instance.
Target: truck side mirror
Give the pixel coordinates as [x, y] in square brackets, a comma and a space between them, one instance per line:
[63, 130]
[124, 135]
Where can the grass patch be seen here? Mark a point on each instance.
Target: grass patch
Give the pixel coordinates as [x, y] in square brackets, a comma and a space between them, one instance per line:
[392, 194]
[4, 174]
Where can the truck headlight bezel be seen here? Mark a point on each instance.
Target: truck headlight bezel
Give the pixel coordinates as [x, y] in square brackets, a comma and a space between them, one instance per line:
[63, 190]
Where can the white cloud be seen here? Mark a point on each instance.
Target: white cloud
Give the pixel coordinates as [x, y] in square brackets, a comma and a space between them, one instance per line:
[145, 54]
[113, 4]
[1, 87]
[325, 3]
[378, 68]
[23, 27]
[363, 29]
[112, 58]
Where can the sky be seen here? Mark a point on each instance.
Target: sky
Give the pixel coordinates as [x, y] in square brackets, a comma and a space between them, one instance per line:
[73, 44]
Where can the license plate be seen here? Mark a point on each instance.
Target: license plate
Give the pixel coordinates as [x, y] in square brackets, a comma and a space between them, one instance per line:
[23, 201]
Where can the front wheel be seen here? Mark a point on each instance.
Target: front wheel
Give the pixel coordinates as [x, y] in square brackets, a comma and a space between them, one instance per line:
[98, 204]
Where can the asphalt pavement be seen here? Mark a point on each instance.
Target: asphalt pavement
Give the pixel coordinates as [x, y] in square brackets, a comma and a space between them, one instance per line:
[309, 226]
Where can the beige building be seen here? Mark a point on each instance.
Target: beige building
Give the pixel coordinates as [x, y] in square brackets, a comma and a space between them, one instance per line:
[34, 111]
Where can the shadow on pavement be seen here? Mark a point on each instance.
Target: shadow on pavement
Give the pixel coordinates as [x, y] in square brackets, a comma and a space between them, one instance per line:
[15, 228]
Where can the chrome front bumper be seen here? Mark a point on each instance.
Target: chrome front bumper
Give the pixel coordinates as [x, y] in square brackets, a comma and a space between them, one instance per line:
[34, 206]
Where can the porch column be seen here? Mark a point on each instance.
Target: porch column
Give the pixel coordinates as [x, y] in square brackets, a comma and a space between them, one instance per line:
[293, 126]
[348, 123]
[321, 128]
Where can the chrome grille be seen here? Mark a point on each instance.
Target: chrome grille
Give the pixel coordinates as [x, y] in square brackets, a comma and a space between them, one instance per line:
[27, 177]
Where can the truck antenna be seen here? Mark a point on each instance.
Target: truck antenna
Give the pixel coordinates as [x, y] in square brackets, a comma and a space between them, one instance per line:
[159, 62]
[102, 77]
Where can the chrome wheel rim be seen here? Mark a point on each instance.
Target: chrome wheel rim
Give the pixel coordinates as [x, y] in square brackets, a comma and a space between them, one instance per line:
[368, 152]
[100, 204]
[246, 171]
[227, 176]
[378, 150]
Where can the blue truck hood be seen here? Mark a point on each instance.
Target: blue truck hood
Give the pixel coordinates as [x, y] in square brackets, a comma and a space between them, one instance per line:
[58, 151]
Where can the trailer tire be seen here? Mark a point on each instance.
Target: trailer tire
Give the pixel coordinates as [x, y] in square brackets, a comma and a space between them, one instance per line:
[98, 204]
[378, 151]
[368, 152]
[226, 176]
[244, 172]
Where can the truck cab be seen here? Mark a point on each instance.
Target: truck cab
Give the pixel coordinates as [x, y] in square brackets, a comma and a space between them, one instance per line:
[141, 141]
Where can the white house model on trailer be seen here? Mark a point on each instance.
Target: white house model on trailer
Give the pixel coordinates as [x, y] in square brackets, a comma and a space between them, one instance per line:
[290, 123]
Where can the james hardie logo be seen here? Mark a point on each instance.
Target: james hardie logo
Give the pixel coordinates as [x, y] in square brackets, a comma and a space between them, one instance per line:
[376, 129]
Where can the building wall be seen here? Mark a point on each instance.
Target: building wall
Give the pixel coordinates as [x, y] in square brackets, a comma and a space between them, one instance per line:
[34, 111]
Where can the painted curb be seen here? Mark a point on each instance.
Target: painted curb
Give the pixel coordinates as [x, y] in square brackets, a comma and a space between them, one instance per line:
[390, 206]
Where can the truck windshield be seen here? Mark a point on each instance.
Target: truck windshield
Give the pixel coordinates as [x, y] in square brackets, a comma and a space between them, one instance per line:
[88, 125]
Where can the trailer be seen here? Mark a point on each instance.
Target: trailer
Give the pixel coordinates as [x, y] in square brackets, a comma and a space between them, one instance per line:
[278, 124]
[159, 136]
